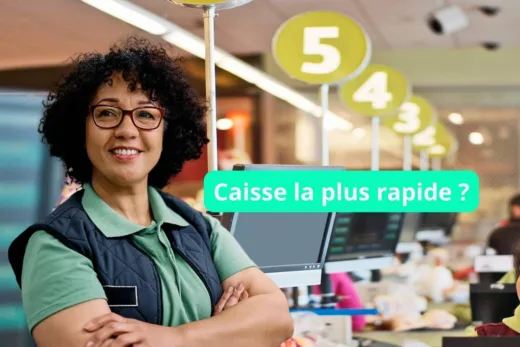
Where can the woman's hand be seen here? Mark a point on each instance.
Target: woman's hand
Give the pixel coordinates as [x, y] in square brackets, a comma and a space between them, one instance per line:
[230, 298]
[112, 330]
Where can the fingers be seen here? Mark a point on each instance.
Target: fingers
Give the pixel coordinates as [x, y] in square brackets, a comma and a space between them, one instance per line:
[100, 321]
[244, 295]
[235, 297]
[108, 343]
[108, 331]
[127, 340]
[223, 299]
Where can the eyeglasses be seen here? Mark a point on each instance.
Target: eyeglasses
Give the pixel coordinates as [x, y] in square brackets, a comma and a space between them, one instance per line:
[110, 117]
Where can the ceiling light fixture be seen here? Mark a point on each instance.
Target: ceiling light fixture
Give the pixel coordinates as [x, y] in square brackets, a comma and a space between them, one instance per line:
[476, 138]
[131, 14]
[456, 118]
[152, 23]
[224, 124]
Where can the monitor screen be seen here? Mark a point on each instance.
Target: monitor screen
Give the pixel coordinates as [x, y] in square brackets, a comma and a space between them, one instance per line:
[289, 247]
[361, 236]
[490, 303]
[438, 221]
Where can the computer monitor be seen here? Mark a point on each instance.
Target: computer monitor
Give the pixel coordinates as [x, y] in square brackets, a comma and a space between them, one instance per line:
[289, 247]
[436, 227]
[491, 268]
[363, 241]
[490, 303]
[407, 242]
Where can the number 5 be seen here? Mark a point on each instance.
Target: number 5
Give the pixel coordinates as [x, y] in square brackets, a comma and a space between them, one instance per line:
[409, 120]
[312, 46]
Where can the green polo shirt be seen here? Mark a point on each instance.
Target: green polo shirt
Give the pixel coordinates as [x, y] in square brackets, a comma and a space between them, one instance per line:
[55, 277]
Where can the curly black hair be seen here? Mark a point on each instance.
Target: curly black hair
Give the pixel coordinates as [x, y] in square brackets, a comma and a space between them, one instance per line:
[160, 76]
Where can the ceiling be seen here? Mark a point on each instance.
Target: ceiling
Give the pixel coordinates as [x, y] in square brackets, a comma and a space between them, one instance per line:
[42, 33]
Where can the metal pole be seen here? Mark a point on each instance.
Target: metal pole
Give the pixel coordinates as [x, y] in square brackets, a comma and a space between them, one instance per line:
[407, 153]
[424, 164]
[375, 143]
[324, 95]
[436, 164]
[211, 114]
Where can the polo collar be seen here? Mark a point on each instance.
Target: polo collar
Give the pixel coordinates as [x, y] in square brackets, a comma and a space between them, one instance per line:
[112, 224]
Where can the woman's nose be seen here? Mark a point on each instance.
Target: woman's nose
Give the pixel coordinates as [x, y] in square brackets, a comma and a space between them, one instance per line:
[127, 129]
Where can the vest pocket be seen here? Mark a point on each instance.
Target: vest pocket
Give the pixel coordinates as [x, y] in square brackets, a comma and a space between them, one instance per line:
[121, 296]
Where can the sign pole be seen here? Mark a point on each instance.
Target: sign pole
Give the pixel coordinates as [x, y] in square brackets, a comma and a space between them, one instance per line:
[324, 95]
[424, 161]
[407, 153]
[211, 98]
[436, 164]
[375, 143]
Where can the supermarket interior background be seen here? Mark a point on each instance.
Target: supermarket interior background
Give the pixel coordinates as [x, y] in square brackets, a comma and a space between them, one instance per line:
[470, 75]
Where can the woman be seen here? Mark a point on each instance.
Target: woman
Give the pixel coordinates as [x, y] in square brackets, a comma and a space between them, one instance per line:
[120, 263]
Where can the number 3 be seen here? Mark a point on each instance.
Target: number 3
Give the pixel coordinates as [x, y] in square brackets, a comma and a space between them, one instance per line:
[312, 46]
[409, 118]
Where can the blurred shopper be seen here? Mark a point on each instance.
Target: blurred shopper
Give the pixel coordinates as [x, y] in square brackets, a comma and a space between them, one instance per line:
[510, 326]
[504, 237]
[119, 262]
[345, 288]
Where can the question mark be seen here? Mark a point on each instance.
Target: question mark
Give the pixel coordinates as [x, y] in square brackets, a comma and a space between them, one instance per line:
[465, 187]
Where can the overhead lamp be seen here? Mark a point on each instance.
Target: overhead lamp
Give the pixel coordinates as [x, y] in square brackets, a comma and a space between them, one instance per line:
[224, 124]
[132, 14]
[456, 118]
[476, 138]
[170, 32]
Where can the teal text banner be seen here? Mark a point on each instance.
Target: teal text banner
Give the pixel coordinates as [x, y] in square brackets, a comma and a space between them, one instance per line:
[341, 191]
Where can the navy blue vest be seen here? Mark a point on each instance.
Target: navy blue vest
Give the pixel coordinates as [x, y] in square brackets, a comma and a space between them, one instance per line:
[129, 277]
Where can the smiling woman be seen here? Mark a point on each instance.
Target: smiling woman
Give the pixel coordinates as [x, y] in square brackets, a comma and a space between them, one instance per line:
[121, 263]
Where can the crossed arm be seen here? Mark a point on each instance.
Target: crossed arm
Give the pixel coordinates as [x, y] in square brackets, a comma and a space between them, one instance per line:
[263, 320]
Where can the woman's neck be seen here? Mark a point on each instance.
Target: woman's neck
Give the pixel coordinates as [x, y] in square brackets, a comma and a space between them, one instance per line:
[130, 202]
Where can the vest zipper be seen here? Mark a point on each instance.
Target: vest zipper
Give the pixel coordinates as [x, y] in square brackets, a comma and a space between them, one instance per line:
[159, 289]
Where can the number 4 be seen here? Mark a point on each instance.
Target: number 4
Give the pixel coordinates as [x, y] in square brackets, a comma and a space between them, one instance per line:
[312, 46]
[375, 91]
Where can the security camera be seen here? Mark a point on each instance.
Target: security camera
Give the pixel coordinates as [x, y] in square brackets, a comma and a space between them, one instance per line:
[491, 46]
[448, 20]
[489, 10]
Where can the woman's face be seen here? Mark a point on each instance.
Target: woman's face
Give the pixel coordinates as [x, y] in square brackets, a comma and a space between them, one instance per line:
[124, 155]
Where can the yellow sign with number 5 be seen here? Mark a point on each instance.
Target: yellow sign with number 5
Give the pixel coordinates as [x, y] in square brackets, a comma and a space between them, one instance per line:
[321, 47]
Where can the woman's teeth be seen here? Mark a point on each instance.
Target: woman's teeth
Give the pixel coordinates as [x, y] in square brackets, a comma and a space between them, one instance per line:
[125, 151]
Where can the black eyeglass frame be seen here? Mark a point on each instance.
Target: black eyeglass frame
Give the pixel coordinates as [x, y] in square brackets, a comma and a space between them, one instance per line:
[127, 112]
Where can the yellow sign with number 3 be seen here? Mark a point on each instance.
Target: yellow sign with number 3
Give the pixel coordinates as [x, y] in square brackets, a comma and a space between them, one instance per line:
[414, 116]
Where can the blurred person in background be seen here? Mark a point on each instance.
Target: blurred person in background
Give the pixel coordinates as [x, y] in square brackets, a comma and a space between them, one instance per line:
[121, 263]
[510, 326]
[504, 237]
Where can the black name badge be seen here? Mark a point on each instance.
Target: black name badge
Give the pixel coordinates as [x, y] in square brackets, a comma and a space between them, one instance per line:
[121, 296]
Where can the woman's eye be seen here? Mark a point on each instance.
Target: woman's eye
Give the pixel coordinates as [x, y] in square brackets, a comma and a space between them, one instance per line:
[145, 114]
[106, 113]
